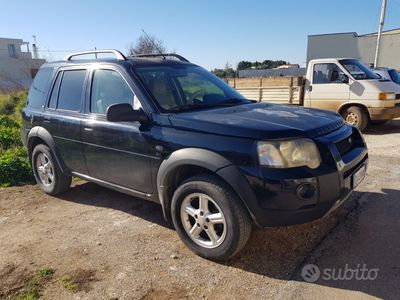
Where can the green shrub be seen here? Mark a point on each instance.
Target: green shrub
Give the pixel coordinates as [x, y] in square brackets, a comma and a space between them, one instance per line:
[14, 164]
[9, 133]
[12, 104]
[14, 167]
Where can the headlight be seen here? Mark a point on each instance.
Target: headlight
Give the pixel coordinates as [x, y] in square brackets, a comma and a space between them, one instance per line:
[289, 154]
[387, 96]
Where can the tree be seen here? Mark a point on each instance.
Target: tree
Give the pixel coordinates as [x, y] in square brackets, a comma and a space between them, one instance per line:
[243, 65]
[266, 64]
[227, 72]
[147, 44]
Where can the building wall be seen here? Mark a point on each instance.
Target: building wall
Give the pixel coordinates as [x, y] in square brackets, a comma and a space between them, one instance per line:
[361, 47]
[332, 45]
[16, 71]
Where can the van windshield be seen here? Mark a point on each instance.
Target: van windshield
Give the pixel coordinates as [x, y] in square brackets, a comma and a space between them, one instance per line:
[394, 76]
[358, 70]
[187, 87]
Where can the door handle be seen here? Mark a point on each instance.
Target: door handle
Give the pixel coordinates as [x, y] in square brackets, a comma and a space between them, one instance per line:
[46, 119]
[88, 129]
[309, 88]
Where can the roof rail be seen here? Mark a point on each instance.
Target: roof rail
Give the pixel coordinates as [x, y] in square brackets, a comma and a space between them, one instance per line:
[117, 53]
[164, 55]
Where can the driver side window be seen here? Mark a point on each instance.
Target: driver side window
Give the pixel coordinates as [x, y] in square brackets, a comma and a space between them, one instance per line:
[109, 87]
[326, 73]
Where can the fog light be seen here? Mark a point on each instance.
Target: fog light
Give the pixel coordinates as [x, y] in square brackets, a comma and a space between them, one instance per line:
[306, 191]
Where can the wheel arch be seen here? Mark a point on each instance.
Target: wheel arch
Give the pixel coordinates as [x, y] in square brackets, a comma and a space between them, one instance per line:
[344, 106]
[39, 135]
[185, 163]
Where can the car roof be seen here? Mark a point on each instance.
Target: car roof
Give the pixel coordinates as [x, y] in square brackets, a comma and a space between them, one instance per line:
[120, 59]
[333, 59]
[382, 69]
[136, 62]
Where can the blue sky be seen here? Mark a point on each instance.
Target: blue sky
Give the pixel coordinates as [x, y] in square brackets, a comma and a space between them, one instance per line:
[208, 32]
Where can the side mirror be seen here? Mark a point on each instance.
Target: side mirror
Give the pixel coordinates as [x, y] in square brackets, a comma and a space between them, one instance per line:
[125, 112]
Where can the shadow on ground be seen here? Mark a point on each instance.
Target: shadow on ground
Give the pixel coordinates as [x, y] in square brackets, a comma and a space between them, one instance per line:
[91, 194]
[278, 252]
[392, 126]
[368, 239]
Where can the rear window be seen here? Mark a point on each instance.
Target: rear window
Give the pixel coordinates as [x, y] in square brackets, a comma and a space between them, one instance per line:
[70, 93]
[37, 93]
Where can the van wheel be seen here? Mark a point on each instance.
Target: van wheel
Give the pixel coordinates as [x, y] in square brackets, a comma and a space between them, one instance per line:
[356, 116]
[47, 173]
[209, 217]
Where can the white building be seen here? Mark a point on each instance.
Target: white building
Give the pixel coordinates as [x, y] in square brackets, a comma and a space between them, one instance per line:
[17, 67]
[352, 45]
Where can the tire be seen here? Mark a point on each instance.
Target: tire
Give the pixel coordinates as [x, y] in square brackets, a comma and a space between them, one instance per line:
[232, 226]
[48, 175]
[356, 116]
[379, 122]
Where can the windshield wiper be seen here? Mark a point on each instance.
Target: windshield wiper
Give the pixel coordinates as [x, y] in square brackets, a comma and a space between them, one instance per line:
[225, 102]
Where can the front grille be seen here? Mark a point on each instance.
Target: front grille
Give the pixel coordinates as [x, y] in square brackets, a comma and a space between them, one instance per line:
[345, 145]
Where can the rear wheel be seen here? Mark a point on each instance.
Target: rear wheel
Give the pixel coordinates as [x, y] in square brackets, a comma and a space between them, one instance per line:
[356, 116]
[47, 173]
[209, 217]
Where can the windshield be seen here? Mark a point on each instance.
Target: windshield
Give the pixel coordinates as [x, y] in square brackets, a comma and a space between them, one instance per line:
[358, 70]
[394, 76]
[187, 87]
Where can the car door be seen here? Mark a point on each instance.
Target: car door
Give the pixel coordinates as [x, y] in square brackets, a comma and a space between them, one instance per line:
[326, 90]
[63, 116]
[115, 152]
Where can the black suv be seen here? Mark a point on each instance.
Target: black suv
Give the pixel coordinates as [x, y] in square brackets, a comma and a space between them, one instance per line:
[161, 128]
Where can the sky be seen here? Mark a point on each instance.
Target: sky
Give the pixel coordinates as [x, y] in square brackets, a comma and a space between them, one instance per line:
[209, 33]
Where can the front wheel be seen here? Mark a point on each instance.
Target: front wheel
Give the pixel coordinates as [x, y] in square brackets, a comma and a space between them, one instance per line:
[356, 116]
[210, 218]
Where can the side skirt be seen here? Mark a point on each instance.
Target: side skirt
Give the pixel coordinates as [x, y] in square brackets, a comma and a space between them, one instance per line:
[117, 187]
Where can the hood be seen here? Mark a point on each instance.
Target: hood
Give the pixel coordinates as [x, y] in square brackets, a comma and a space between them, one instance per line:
[380, 85]
[259, 121]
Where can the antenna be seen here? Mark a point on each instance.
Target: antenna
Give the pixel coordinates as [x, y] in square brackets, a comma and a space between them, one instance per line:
[34, 48]
[151, 41]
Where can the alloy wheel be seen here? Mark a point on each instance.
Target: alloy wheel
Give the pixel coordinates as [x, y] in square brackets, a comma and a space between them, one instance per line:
[44, 169]
[203, 220]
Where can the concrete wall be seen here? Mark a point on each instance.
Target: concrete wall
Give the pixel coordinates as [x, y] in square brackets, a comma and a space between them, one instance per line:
[352, 45]
[332, 45]
[16, 71]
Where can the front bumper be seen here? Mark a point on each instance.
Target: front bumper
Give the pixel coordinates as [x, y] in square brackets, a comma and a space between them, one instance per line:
[384, 113]
[277, 191]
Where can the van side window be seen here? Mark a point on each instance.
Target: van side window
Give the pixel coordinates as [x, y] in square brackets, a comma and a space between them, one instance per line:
[37, 94]
[326, 73]
[109, 87]
[54, 92]
[70, 94]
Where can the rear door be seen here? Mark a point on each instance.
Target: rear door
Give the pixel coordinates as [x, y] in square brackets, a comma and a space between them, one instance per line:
[116, 152]
[325, 90]
[63, 116]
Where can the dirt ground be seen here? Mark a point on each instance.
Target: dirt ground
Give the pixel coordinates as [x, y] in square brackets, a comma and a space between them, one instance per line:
[113, 246]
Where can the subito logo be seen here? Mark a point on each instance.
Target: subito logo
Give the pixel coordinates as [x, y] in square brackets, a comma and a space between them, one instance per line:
[310, 273]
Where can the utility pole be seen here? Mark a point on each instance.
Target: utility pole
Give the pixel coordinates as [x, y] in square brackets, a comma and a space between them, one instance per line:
[378, 40]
